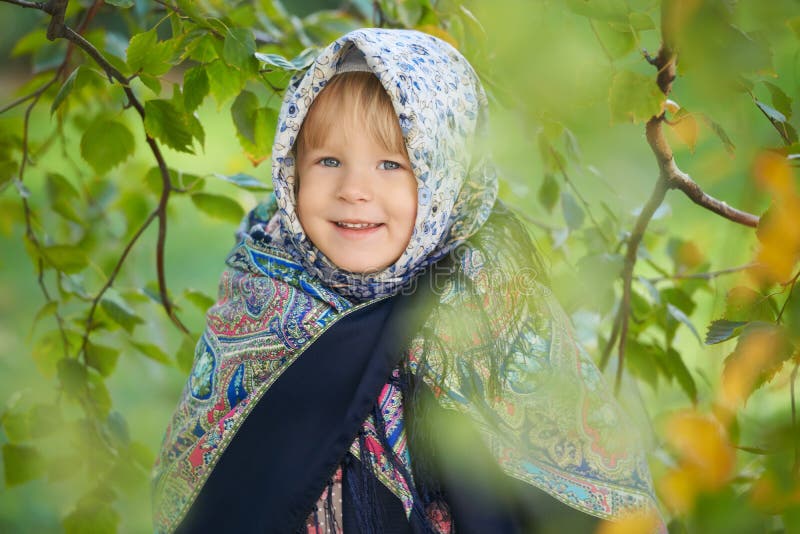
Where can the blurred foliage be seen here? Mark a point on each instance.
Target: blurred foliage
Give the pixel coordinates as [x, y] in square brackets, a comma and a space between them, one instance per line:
[119, 194]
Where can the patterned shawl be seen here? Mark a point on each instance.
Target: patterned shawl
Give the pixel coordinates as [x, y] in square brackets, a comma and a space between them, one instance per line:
[541, 405]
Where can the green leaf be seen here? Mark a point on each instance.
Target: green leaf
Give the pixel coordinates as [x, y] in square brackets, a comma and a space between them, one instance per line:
[66, 258]
[640, 21]
[224, 82]
[65, 90]
[677, 314]
[245, 181]
[91, 517]
[195, 87]
[746, 305]
[218, 206]
[47, 351]
[106, 144]
[679, 370]
[771, 113]
[16, 426]
[199, 299]
[49, 308]
[168, 124]
[63, 197]
[794, 24]
[120, 3]
[239, 47]
[723, 330]
[102, 358]
[243, 113]
[99, 395]
[72, 375]
[30, 43]
[634, 97]
[21, 463]
[120, 313]
[608, 10]
[185, 356]
[549, 192]
[277, 60]
[616, 42]
[720, 132]
[780, 100]
[151, 82]
[153, 352]
[147, 54]
[573, 213]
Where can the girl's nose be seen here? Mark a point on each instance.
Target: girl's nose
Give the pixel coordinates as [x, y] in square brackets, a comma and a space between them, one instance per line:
[355, 186]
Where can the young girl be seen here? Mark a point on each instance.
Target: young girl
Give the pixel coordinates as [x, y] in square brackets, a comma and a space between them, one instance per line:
[382, 357]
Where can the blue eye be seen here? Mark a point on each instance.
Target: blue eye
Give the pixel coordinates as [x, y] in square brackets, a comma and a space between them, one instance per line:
[329, 162]
[389, 165]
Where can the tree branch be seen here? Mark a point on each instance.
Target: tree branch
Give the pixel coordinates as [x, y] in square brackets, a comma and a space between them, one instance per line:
[41, 6]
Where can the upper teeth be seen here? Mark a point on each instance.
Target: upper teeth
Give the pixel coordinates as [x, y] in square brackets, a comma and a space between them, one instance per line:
[356, 225]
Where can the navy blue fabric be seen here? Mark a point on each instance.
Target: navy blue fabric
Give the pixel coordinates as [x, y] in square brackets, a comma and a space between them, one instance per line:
[270, 476]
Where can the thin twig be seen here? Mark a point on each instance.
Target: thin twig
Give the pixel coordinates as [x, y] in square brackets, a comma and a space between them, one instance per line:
[111, 278]
[577, 192]
[795, 433]
[791, 283]
[710, 275]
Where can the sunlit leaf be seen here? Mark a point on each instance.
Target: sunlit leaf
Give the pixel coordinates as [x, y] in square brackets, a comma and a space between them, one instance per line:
[760, 352]
[218, 206]
[147, 54]
[239, 47]
[224, 82]
[106, 144]
[634, 97]
[195, 87]
[685, 127]
[199, 299]
[745, 304]
[607, 10]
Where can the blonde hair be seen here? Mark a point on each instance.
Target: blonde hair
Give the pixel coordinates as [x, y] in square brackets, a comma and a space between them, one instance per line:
[350, 99]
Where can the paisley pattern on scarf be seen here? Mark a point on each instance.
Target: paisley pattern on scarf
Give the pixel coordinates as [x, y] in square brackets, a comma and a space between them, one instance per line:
[442, 111]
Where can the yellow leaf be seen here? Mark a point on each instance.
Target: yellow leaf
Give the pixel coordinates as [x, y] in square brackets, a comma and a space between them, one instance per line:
[753, 359]
[703, 447]
[685, 127]
[641, 523]
[678, 490]
[773, 173]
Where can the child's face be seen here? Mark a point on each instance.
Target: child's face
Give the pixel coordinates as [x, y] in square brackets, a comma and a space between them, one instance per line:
[357, 201]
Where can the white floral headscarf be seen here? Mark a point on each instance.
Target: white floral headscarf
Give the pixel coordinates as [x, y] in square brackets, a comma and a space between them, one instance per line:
[442, 111]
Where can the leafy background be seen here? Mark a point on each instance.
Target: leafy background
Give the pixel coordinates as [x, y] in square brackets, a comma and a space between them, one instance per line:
[90, 370]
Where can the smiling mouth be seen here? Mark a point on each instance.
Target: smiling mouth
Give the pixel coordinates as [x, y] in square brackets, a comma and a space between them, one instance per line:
[356, 226]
